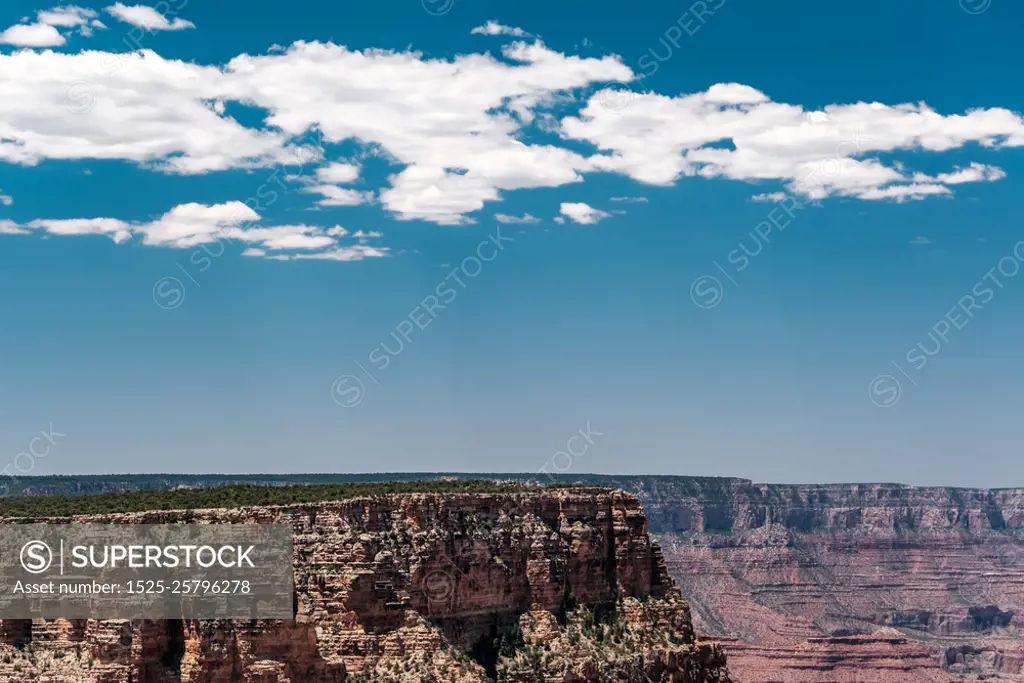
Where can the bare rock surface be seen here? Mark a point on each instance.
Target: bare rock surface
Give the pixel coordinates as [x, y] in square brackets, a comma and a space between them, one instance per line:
[862, 583]
[561, 585]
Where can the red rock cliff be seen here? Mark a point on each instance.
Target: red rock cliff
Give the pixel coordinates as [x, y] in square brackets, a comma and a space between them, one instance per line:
[563, 585]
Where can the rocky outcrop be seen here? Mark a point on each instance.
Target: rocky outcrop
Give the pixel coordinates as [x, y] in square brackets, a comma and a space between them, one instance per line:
[777, 571]
[561, 585]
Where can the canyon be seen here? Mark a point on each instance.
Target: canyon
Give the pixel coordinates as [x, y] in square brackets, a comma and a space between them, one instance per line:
[547, 585]
[862, 583]
[865, 583]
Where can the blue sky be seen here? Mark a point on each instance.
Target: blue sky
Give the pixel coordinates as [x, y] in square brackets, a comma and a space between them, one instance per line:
[451, 235]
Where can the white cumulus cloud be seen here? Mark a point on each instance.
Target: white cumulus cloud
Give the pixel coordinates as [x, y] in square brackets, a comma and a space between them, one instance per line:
[191, 225]
[148, 18]
[338, 173]
[32, 35]
[44, 33]
[659, 139]
[68, 16]
[493, 28]
[578, 212]
[461, 132]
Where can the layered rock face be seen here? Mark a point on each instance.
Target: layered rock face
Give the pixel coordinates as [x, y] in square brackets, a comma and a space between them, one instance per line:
[560, 585]
[875, 582]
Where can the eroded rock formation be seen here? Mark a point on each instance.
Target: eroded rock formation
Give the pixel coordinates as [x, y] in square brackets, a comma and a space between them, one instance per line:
[554, 586]
[866, 583]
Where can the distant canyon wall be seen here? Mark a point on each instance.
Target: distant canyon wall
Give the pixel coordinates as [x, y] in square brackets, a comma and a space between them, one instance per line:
[852, 582]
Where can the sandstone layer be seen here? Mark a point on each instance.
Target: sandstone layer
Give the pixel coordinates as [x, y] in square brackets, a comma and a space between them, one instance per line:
[561, 585]
[865, 583]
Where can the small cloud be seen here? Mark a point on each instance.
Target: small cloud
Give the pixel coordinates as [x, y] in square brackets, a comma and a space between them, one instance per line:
[632, 200]
[974, 173]
[902, 193]
[356, 252]
[6, 199]
[189, 225]
[559, 220]
[32, 35]
[493, 28]
[516, 220]
[338, 196]
[770, 197]
[44, 32]
[920, 241]
[147, 18]
[363, 235]
[68, 16]
[337, 173]
[578, 212]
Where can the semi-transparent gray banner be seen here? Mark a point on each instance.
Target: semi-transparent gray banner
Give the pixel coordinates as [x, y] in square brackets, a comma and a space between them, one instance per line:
[146, 571]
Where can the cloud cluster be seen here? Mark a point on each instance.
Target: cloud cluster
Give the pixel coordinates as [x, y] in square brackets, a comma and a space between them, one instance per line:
[43, 32]
[462, 132]
[736, 132]
[192, 225]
